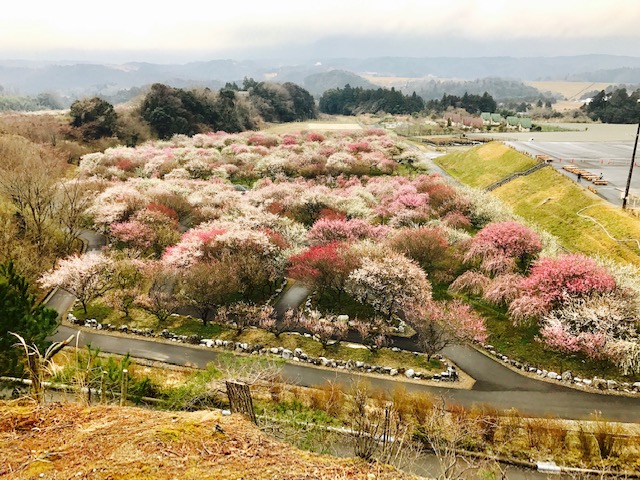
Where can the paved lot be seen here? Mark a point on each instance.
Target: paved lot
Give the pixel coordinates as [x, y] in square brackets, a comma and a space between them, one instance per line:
[611, 159]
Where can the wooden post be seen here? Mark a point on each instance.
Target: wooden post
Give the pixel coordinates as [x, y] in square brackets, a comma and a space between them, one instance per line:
[240, 399]
[103, 384]
[125, 385]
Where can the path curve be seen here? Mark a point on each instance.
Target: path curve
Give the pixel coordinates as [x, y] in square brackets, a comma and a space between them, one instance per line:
[556, 400]
[495, 384]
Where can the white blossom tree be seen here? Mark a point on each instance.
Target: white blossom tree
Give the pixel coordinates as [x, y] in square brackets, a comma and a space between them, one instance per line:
[86, 277]
[390, 285]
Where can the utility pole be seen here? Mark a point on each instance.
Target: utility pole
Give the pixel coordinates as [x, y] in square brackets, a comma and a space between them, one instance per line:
[633, 160]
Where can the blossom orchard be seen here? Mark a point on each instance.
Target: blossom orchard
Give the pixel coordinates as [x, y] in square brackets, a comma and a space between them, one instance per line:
[323, 209]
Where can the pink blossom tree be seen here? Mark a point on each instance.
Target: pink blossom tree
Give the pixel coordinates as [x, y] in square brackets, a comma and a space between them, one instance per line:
[440, 324]
[325, 328]
[471, 282]
[501, 246]
[374, 333]
[552, 281]
[134, 234]
[503, 289]
[328, 230]
[268, 320]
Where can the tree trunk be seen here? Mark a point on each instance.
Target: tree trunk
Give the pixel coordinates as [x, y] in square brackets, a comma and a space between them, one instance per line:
[240, 399]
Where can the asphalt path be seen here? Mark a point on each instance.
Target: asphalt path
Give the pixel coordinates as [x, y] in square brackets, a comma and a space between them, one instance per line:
[536, 398]
[61, 300]
[495, 384]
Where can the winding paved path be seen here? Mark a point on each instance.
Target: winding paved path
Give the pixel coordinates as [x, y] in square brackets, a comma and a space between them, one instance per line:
[495, 384]
[527, 395]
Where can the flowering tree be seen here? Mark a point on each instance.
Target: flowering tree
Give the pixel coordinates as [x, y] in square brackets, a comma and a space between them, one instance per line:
[324, 328]
[160, 300]
[439, 324]
[256, 253]
[591, 324]
[552, 281]
[86, 277]
[389, 285]
[502, 246]
[133, 234]
[239, 315]
[426, 245]
[328, 230]
[625, 354]
[374, 333]
[207, 286]
[268, 320]
[503, 289]
[325, 267]
[471, 282]
[127, 280]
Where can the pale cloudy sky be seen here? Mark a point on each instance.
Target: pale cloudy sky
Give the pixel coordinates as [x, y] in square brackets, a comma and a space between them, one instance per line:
[122, 30]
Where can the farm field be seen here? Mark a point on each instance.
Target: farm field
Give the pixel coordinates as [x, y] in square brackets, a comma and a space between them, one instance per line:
[571, 91]
[331, 124]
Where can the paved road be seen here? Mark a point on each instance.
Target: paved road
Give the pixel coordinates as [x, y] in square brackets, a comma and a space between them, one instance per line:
[535, 398]
[495, 384]
[62, 301]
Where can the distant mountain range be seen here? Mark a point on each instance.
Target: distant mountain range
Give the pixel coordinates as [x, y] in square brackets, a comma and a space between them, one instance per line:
[75, 80]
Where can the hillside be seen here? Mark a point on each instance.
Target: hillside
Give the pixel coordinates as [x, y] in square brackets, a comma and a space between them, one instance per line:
[484, 165]
[107, 442]
[551, 200]
[548, 199]
[318, 83]
[77, 79]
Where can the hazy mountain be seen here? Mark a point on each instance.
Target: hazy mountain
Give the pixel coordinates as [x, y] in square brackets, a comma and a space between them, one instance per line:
[318, 83]
[618, 75]
[82, 79]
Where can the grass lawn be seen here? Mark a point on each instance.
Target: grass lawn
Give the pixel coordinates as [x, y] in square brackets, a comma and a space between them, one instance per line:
[183, 325]
[520, 343]
[481, 166]
[550, 200]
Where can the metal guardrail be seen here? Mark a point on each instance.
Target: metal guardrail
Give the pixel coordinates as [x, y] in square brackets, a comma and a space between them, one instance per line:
[513, 176]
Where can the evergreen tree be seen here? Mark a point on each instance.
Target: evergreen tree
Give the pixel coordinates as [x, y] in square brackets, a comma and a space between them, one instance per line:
[21, 314]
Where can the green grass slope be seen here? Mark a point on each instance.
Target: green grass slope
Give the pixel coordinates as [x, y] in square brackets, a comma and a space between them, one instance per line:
[551, 200]
[484, 165]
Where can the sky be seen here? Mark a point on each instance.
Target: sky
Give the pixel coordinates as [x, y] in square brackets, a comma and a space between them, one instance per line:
[190, 30]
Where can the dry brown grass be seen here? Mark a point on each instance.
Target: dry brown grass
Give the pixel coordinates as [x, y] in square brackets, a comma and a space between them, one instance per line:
[72, 441]
[570, 90]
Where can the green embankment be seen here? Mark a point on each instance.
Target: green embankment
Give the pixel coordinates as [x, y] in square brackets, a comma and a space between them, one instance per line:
[485, 165]
[549, 199]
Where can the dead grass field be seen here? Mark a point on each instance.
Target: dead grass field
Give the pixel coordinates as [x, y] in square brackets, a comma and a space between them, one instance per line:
[389, 81]
[108, 442]
[323, 124]
[569, 90]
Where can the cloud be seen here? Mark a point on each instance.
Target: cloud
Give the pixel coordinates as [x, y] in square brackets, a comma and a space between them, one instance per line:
[198, 27]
